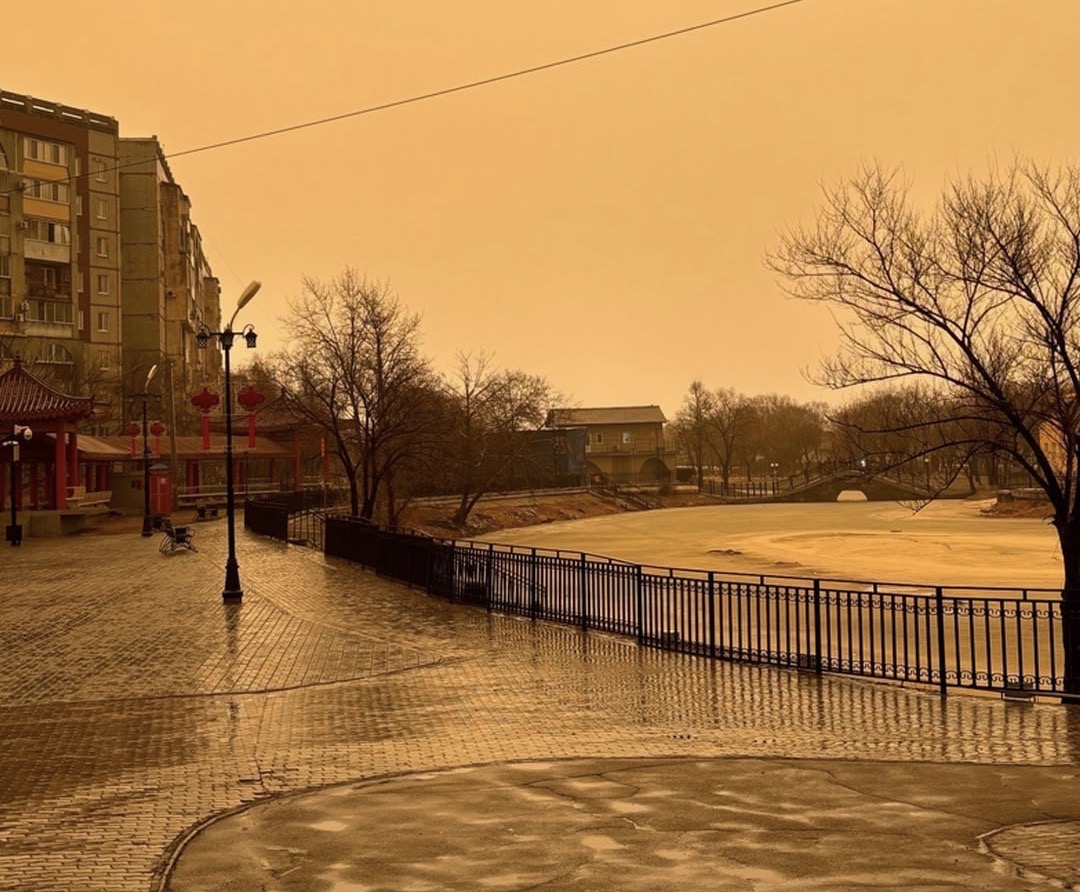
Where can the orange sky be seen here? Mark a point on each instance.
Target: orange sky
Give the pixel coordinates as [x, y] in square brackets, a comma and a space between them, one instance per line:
[603, 224]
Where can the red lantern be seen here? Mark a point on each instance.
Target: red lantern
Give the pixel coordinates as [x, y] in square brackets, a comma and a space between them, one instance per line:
[250, 398]
[205, 401]
[157, 429]
[132, 430]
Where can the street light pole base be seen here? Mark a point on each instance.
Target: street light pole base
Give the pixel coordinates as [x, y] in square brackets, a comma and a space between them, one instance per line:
[232, 591]
[147, 527]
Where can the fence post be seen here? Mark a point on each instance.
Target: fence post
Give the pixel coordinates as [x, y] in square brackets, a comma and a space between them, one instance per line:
[711, 613]
[450, 573]
[817, 626]
[534, 598]
[943, 685]
[640, 605]
[584, 607]
[488, 575]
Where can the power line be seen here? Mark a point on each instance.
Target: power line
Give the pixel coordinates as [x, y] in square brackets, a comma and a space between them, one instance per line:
[459, 88]
[471, 85]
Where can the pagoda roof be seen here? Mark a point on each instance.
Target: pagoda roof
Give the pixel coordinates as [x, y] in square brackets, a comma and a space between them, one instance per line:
[25, 398]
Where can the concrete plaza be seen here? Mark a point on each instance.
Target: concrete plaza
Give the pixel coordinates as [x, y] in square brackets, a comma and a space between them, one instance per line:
[338, 731]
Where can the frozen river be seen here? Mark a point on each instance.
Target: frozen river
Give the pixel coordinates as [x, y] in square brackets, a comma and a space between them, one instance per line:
[947, 543]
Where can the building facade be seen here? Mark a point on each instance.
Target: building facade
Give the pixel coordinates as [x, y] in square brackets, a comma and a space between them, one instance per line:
[102, 270]
[60, 289]
[169, 289]
[623, 444]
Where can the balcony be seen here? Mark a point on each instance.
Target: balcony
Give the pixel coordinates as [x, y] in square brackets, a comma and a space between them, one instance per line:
[49, 292]
[34, 249]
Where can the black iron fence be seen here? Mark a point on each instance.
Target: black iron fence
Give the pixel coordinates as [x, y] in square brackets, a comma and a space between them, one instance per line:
[1006, 640]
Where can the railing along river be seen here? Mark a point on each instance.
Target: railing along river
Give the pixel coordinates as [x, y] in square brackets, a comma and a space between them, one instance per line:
[993, 639]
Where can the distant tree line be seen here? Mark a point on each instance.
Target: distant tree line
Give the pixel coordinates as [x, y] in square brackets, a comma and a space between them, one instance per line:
[727, 436]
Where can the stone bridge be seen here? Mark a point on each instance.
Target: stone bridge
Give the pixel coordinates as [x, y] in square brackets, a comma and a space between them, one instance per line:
[875, 488]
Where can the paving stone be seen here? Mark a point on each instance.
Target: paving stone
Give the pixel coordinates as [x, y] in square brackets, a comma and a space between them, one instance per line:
[137, 705]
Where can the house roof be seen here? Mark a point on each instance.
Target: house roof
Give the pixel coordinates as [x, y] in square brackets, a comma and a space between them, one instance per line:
[273, 417]
[191, 447]
[606, 415]
[25, 398]
[97, 448]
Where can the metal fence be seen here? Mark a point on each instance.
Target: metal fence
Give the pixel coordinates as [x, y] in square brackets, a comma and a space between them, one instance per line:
[1006, 640]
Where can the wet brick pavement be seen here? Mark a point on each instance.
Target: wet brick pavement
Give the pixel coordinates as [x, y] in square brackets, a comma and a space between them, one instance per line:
[137, 706]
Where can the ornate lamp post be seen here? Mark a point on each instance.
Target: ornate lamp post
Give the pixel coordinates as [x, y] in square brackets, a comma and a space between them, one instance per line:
[232, 590]
[147, 525]
[18, 432]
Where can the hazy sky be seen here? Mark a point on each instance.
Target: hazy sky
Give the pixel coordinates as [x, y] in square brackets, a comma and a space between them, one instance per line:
[603, 223]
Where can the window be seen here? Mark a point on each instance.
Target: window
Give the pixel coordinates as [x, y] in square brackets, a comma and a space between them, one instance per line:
[48, 311]
[101, 172]
[48, 231]
[103, 321]
[102, 283]
[7, 306]
[599, 438]
[82, 321]
[102, 246]
[48, 276]
[47, 190]
[40, 150]
[102, 209]
[56, 354]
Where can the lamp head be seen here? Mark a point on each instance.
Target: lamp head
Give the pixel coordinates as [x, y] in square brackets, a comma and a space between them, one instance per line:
[150, 375]
[202, 337]
[250, 336]
[248, 294]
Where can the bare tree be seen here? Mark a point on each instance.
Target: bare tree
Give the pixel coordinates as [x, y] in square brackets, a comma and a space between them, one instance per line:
[730, 424]
[490, 411]
[353, 368]
[980, 298]
[692, 426]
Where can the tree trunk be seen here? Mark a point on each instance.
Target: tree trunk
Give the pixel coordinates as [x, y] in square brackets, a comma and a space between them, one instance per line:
[1069, 539]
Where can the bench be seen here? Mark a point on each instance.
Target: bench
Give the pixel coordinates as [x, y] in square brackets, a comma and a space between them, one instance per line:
[78, 497]
[175, 537]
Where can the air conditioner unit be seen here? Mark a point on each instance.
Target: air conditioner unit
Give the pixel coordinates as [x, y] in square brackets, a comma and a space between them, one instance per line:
[22, 224]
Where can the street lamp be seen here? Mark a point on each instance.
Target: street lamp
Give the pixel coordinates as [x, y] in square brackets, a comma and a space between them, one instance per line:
[147, 526]
[775, 468]
[14, 531]
[232, 590]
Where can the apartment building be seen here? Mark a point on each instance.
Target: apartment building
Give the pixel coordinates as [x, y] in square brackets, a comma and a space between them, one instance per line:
[102, 271]
[169, 289]
[60, 290]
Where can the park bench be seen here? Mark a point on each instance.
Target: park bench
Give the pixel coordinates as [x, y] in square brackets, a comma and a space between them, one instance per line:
[78, 497]
[175, 537]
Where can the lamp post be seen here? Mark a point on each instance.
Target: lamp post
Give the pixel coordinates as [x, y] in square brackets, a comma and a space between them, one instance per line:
[232, 590]
[147, 525]
[775, 468]
[14, 530]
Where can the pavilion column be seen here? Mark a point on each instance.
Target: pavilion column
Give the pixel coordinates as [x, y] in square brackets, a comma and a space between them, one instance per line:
[5, 476]
[73, 458]
[60, 476]
[33, 474]
[273, 473]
